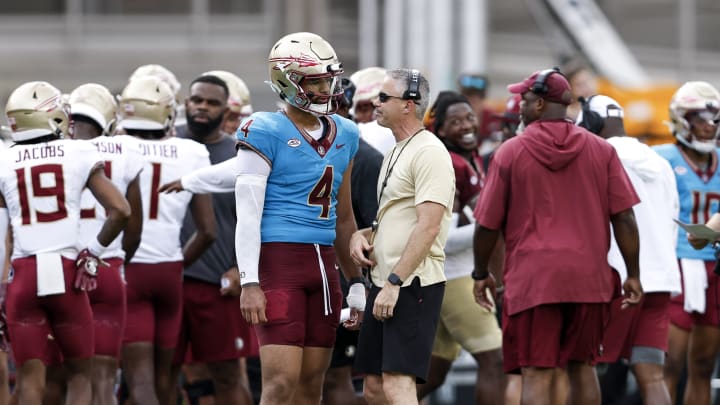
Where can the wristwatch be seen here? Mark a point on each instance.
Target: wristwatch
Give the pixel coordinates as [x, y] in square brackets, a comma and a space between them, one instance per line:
[394, 279]
[479, 277]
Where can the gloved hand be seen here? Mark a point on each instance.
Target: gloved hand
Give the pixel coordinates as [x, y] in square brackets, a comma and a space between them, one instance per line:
[87, 266]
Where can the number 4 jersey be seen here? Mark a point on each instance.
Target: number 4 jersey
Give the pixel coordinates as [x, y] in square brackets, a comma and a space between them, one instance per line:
[164, 161]
[302, 188]
[42, 186]
[123, 163]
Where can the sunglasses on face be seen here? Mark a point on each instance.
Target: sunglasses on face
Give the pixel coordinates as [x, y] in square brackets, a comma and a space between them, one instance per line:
[384, 97]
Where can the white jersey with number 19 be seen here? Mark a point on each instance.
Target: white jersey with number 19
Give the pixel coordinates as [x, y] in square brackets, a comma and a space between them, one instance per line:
[163, 214]
[42, 186]
[123, 163]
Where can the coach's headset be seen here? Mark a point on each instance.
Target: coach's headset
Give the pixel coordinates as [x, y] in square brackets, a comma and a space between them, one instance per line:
[540, 87]
[413, 87]
[591, 120]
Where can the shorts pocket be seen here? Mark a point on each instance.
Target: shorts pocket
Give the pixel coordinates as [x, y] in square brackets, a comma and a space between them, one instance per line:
[276, 308]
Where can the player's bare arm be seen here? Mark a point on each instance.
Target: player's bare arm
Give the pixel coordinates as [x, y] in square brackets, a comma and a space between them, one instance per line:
[345, 227]
[218, 178]
[714, 224]
[205, 234]
[115, 204]
[133, 229]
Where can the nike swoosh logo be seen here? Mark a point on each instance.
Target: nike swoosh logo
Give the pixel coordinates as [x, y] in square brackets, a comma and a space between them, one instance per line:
[339, 146]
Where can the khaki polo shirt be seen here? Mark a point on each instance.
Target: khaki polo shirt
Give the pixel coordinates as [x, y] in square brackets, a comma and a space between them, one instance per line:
[417, 170]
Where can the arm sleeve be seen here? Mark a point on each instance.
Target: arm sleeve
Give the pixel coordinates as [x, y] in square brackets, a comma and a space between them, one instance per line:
[249, 201]
[220, 178]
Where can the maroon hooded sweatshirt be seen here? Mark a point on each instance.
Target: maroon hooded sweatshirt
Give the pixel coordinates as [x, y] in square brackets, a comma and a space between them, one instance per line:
[552, 191]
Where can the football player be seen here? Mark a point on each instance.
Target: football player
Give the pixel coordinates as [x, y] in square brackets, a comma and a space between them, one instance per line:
[154, 274]
[694, 315]
[41, 182]
[94, 113]
[294, 171]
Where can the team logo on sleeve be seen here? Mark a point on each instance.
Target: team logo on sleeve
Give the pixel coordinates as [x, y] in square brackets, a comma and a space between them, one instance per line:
[293, 143]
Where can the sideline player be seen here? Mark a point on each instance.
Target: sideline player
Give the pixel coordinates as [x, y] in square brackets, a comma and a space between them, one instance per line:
[640, 333]
[94, 113]
[694, 315]
[463, 324]
[211, 285]
[154, 275]
[294, 173]
[41, 181]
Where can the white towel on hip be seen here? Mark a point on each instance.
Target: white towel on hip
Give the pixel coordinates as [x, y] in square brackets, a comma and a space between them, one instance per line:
[695, 283]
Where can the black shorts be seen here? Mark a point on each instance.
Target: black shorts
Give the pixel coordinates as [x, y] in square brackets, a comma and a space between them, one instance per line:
[402, 344]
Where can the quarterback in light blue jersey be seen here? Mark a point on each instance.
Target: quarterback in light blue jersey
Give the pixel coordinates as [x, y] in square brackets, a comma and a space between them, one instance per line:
[294, 214]
[305, 177]
[291, 179]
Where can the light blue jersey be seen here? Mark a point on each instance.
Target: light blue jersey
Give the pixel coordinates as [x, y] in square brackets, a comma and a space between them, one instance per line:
[699, 197]
[305, 178]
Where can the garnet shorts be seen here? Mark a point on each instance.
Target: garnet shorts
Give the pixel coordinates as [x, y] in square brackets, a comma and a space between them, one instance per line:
[300, 310]
[31, 319]
[108, 307]
[711, 317]
[154, 303]
[645, 325]
[550, 335]
[212, 325]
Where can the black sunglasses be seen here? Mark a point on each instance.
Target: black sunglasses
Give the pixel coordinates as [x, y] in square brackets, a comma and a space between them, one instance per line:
[384, 97]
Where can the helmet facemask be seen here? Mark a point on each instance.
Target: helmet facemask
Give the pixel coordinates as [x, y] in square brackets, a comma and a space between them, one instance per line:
[684, 129]
[296, 96]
